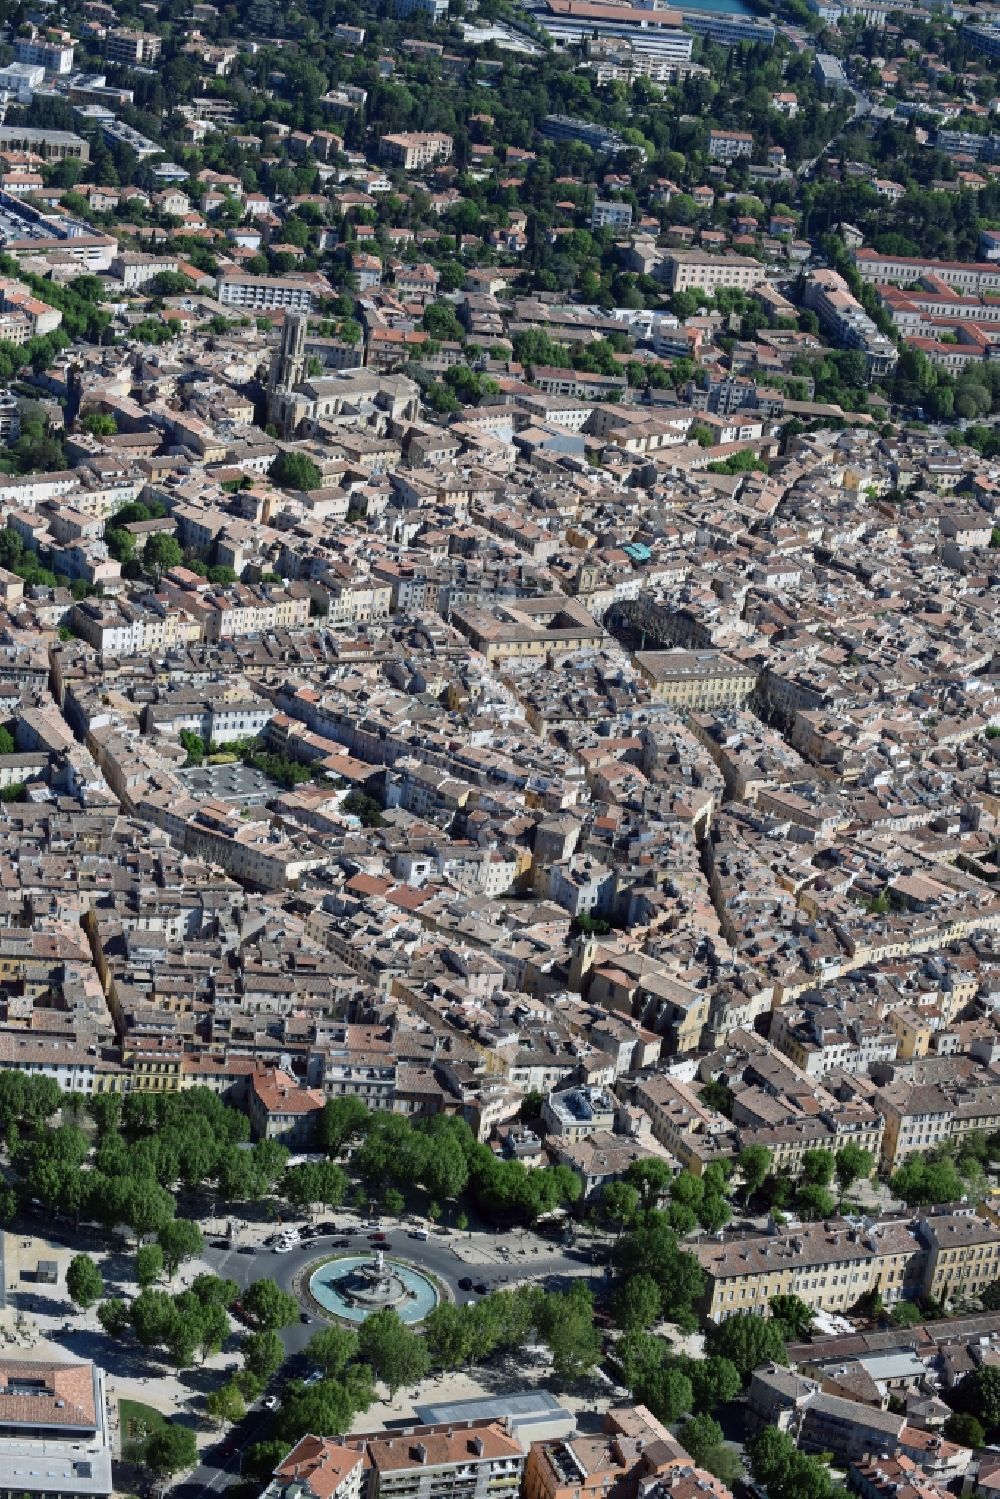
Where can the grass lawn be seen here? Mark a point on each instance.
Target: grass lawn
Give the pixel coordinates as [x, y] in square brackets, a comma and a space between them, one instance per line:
[138, 1422]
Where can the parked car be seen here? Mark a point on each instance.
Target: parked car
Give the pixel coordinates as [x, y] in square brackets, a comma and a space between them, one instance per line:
[465, 1284]
[481, 1288]
[305, 1317]
[246, 1249]
[270, 1402]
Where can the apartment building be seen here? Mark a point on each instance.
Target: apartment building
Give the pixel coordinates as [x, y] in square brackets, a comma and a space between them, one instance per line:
[969, 276]
[700, 270]
[730, 30]
[131, 48]
[829, 1265]
[586, 132]
[840, 311]
[693, 1132]
[317, 1468]
[729, 145]
[578, 1112]
[828, 71]
[696, 680]
[477, 1460]
[946, 1254]
[963, 1254]
[281, 1109]
[413, 149]
[128, 627]
[21, 79]
[134, 270]
[919, 1116]
[50, 145]
[434, 10]
[610, 215]
[656, 33]
[261, 293]
[54, 54]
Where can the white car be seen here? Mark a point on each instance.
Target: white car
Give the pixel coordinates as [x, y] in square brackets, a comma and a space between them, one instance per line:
[283, 1247]
[270, 1402]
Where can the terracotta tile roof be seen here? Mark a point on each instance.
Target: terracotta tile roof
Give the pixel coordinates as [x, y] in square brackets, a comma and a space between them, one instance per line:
[44, 1394]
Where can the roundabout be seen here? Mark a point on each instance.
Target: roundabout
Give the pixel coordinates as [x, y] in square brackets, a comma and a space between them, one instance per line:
[354, 1287]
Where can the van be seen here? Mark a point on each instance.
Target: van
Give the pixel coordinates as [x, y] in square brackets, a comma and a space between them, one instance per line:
[419, 1233]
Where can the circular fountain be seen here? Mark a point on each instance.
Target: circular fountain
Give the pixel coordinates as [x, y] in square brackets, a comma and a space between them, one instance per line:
[356, 1287]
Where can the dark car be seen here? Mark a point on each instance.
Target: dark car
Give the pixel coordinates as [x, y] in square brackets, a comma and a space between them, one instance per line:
[465, 1284]
[481, 1288]
[341, 1244]
[246, 1249]
[350, 1230]
[304, 1317]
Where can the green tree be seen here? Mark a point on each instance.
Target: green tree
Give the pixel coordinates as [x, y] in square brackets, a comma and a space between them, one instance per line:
[325, 1409]
[792, 1316]
[852, 1164]
[99, 424]
[786, 1472]
[161, 552]
[333, 1349]
[653, 1179]
[698, 1436]
[966, 1430]
[651, 1249]
[619, 1204]
[340, 1122]
[84, 1281]
[113, 1316]
[315, 1182]
[148, 1264]
[566, 1323]
[394, 1203]
[747, 1340]
[294, 470]
[397, 1355]
[179, 1240]
[814, 1201]
[441, 322]
[263, 1353]
[817, 1167]
[637, 1302]
[448, 1335]
[922, 1183]
[226, 1405]
[978, 1394]
[270, 1306]
[714, 1381]
[669, 1394]
[194, 745]
[170, 1449]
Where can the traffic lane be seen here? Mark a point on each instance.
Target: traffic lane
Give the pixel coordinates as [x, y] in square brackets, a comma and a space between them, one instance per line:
[439, 1258]
[222, 1466]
